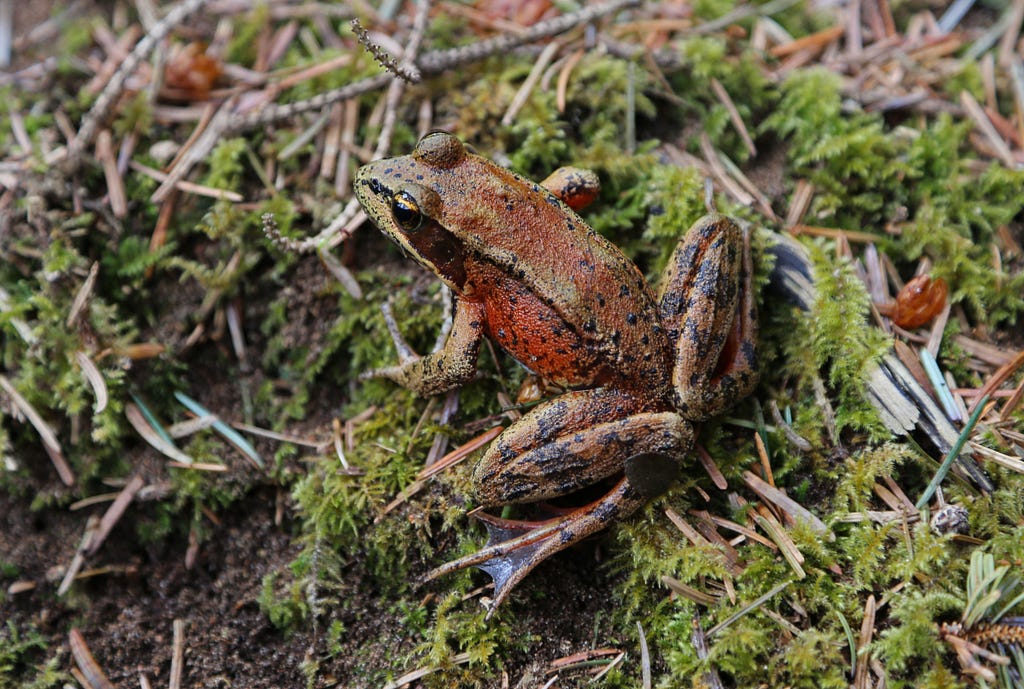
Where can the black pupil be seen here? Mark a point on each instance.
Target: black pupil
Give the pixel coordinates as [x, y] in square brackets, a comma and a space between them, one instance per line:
[406, 213]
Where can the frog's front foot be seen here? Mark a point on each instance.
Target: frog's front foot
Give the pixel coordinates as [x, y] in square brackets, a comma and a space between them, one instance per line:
[445, 369]
[515, 547]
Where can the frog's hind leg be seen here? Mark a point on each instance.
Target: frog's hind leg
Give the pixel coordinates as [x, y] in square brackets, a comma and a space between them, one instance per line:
[559, 448]
[708, 307]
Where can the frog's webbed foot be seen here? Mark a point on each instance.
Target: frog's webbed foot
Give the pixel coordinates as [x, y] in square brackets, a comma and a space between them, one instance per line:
[515, 547]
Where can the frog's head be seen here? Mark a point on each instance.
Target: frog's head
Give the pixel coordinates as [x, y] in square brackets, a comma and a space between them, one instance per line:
[401, 196]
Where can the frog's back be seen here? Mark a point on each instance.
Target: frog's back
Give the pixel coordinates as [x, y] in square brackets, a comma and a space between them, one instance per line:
[538, 242]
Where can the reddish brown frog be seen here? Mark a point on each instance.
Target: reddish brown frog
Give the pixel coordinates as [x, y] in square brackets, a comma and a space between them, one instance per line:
[531, 275]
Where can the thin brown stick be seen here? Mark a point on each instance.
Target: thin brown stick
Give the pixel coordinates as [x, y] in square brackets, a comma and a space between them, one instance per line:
[114, 513]
[115, 185]
[94, 676]
[177, 654]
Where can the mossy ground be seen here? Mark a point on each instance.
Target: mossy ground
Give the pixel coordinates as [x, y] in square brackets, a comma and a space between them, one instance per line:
[299, 572]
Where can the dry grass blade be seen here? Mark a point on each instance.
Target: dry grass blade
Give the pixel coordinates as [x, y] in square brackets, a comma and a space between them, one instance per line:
[95, 378]
[753, 605]
[795, 510]
[582, 659]
[645, 657]
[861, 662]
[1006, 461]
[1012, 402]
[733, 526]
[150, 435]
[94, 676]
[762, 454]
[815, 41]
[410, 677]
[713, 159]
[460, 453]
[714, 473]
[523, 94]
[834, 233]
[1007, 51]
[83, 295]
[699, 641]
[115, 184]
[688, 592]
[787, 547]
[999, 377]
[984, 125]
[49, 438]
[734, 115]
[691, 533]
[184, 185]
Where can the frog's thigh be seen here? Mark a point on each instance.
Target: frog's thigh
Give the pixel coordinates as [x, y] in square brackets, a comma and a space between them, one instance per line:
[561, 447]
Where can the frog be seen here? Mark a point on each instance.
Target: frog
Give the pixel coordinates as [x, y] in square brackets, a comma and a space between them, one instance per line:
[639, 369]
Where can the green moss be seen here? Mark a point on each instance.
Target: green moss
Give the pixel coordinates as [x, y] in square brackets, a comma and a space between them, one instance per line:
[22, 650]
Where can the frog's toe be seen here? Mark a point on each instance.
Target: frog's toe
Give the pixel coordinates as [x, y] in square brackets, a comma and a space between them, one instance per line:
[514, 547]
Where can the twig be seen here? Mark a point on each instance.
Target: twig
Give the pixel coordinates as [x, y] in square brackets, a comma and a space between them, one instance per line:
[185, 186]
[177, 654]
[397, 87]
[432, 62]
[75, 566]
[734, 115]
[114, 513]
[400, 70]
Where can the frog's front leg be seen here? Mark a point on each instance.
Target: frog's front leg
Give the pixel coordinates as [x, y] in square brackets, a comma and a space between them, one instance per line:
[566, 444]
[446, 369]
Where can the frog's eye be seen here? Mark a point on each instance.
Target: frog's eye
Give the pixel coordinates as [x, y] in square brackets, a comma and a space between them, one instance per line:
[406, 211]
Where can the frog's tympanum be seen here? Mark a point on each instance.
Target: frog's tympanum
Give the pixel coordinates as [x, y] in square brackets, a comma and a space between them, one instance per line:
[528, 273]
